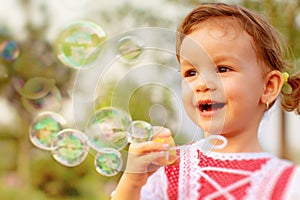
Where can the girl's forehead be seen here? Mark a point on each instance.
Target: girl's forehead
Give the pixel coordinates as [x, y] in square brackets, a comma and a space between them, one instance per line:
[220, 27]
[215, 39]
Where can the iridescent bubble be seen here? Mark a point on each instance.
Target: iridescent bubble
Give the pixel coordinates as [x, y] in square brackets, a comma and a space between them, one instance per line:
[108, 162]
[37, 87]
[70, 147]
[107, 128]
[51, 101]
[140, 131]
[9, 50]
[44, 129]
[130, 49]
[78, 44]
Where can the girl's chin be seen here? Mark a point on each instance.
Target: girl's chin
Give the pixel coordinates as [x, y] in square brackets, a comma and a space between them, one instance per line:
[211, 129]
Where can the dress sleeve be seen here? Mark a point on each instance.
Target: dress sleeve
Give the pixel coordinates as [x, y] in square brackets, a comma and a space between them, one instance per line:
[293, 186]
[156, 186]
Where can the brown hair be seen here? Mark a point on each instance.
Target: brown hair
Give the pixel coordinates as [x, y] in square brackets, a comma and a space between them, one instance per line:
[265, 38]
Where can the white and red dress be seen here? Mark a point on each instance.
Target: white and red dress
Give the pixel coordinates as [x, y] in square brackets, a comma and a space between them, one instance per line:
[224, 176]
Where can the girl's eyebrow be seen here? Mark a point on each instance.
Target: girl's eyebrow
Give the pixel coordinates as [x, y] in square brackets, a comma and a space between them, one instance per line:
[226, 57]
[185, 63]
[230, 59]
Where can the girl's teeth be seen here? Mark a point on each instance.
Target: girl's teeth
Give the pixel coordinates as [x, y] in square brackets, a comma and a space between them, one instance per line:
[210, 107]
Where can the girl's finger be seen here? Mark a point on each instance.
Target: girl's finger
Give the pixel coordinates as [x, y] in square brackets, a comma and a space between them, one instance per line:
[141, 164]
[159, 131]
[146, 147]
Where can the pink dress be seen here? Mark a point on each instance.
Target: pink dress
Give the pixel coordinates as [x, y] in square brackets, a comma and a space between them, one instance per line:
[224, 176]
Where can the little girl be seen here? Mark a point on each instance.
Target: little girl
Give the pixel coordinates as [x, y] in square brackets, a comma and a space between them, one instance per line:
[233, 70]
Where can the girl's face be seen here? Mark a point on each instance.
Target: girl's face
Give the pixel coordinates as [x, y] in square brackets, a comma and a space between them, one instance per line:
[222, 80]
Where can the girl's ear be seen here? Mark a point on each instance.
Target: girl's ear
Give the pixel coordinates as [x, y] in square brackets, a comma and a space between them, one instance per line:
[273, 84]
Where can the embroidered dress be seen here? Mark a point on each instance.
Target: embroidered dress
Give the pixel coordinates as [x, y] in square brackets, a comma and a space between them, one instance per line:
[224, 176]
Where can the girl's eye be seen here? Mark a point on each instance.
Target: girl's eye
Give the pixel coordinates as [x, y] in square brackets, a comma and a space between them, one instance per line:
[223, 69]
[190, 73]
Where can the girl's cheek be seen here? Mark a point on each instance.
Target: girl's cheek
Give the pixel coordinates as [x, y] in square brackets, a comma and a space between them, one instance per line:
[186, 87]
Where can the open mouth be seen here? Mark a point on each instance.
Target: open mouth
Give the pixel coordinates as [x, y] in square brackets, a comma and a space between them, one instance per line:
[210, 106]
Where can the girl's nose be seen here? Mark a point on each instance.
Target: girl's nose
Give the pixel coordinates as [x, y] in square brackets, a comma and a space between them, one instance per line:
[204, 84]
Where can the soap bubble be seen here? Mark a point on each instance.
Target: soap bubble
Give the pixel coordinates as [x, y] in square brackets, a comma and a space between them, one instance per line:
[108, 162]
[78, 45]
[51, 101]
[140, 131]
[70, 147]
[130, 49]
[37, 87]
[44, 128]
[107, 128]
[9, 50]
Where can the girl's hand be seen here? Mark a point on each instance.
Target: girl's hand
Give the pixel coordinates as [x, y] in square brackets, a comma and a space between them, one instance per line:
[140, 164]
[142, 156]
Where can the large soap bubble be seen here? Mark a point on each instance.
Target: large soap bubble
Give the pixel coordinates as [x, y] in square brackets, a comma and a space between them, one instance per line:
[107, 128]
[44, 129]
[70, 147]
[78, 44]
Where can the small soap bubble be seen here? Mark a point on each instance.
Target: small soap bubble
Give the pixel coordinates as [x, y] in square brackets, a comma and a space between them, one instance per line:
[130, 49]
[51, 101]
[44, 129]
[70, 147]
[9, 50]
[37, 87]
[108, 162]
[107, 128]
[78, 44]
[140, 131]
